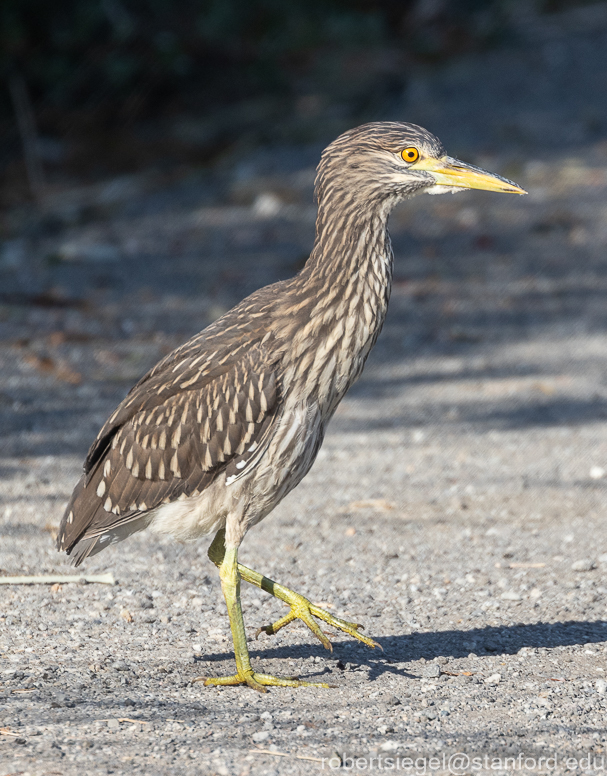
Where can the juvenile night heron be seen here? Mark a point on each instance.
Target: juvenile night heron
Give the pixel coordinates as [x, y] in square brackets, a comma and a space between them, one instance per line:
[216, 434]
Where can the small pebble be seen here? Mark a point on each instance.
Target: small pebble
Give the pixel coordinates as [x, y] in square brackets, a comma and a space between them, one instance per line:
[432, 671]
[582, 565]
[493, 679]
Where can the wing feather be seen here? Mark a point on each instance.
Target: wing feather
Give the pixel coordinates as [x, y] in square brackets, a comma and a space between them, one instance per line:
[161, 445]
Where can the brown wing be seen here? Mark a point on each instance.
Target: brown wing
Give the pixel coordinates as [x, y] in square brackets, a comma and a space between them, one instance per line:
[161, 445]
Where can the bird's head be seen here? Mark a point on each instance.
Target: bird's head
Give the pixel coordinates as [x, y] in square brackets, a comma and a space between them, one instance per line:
[384, 162]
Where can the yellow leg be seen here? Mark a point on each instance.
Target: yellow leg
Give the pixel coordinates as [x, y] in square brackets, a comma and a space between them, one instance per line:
[301, 608]
[227, 560]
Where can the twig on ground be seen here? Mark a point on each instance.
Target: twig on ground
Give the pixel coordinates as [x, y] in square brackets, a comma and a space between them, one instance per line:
[55, 579]
[286, 754]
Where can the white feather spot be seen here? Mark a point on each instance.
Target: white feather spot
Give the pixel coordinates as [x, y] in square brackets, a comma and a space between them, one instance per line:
[101, 489]
[175, 466]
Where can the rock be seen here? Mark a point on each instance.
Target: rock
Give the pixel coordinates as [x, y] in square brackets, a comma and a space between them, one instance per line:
[600, 686]
[267, 205]
[431, 671]
[510, 595]
[261, 735]
[247, 718]
[389, 746]
[582, 565]
[492, 646]
[61, 701]
[493, 679]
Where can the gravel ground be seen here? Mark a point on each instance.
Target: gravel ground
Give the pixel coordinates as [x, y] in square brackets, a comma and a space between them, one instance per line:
[456, 509]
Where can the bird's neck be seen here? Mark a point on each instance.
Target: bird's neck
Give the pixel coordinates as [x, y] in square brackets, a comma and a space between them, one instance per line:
[338, 304]
[350, 245]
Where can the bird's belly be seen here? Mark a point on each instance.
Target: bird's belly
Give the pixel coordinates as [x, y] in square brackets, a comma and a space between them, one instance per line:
[286, 462]
[238, 505]
[190, 518]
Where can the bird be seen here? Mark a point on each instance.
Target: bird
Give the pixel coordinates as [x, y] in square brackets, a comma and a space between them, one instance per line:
[215, 435]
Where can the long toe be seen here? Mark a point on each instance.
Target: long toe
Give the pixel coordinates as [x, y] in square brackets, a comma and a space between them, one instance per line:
[259, 682]
[302, 609]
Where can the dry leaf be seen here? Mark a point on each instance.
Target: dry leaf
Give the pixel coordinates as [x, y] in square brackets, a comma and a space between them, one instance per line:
[59, 369]
[41, 363]
[52, 529]
[379, 504]
[126, 615]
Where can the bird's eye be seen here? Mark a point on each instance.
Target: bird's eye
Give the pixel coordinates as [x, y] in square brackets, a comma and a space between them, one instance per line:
[410, 154]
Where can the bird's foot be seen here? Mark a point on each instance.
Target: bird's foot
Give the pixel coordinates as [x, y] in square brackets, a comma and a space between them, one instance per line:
[304, 610]
[259, 681]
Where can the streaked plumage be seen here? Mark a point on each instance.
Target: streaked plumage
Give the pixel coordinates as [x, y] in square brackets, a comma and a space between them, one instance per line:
[225, 426]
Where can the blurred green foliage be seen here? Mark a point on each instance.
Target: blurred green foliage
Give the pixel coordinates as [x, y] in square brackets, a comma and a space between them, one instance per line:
[79, 53]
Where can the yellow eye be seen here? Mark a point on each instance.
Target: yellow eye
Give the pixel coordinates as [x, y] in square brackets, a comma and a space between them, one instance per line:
[410, 155]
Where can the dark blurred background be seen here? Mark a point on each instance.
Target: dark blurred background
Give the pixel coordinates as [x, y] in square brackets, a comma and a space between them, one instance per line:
[157, 161]
[93, 88]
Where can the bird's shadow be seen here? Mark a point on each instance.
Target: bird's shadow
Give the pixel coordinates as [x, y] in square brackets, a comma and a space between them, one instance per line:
[408, 648]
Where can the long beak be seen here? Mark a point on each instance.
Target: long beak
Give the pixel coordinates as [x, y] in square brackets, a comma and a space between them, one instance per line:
[455, 174]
